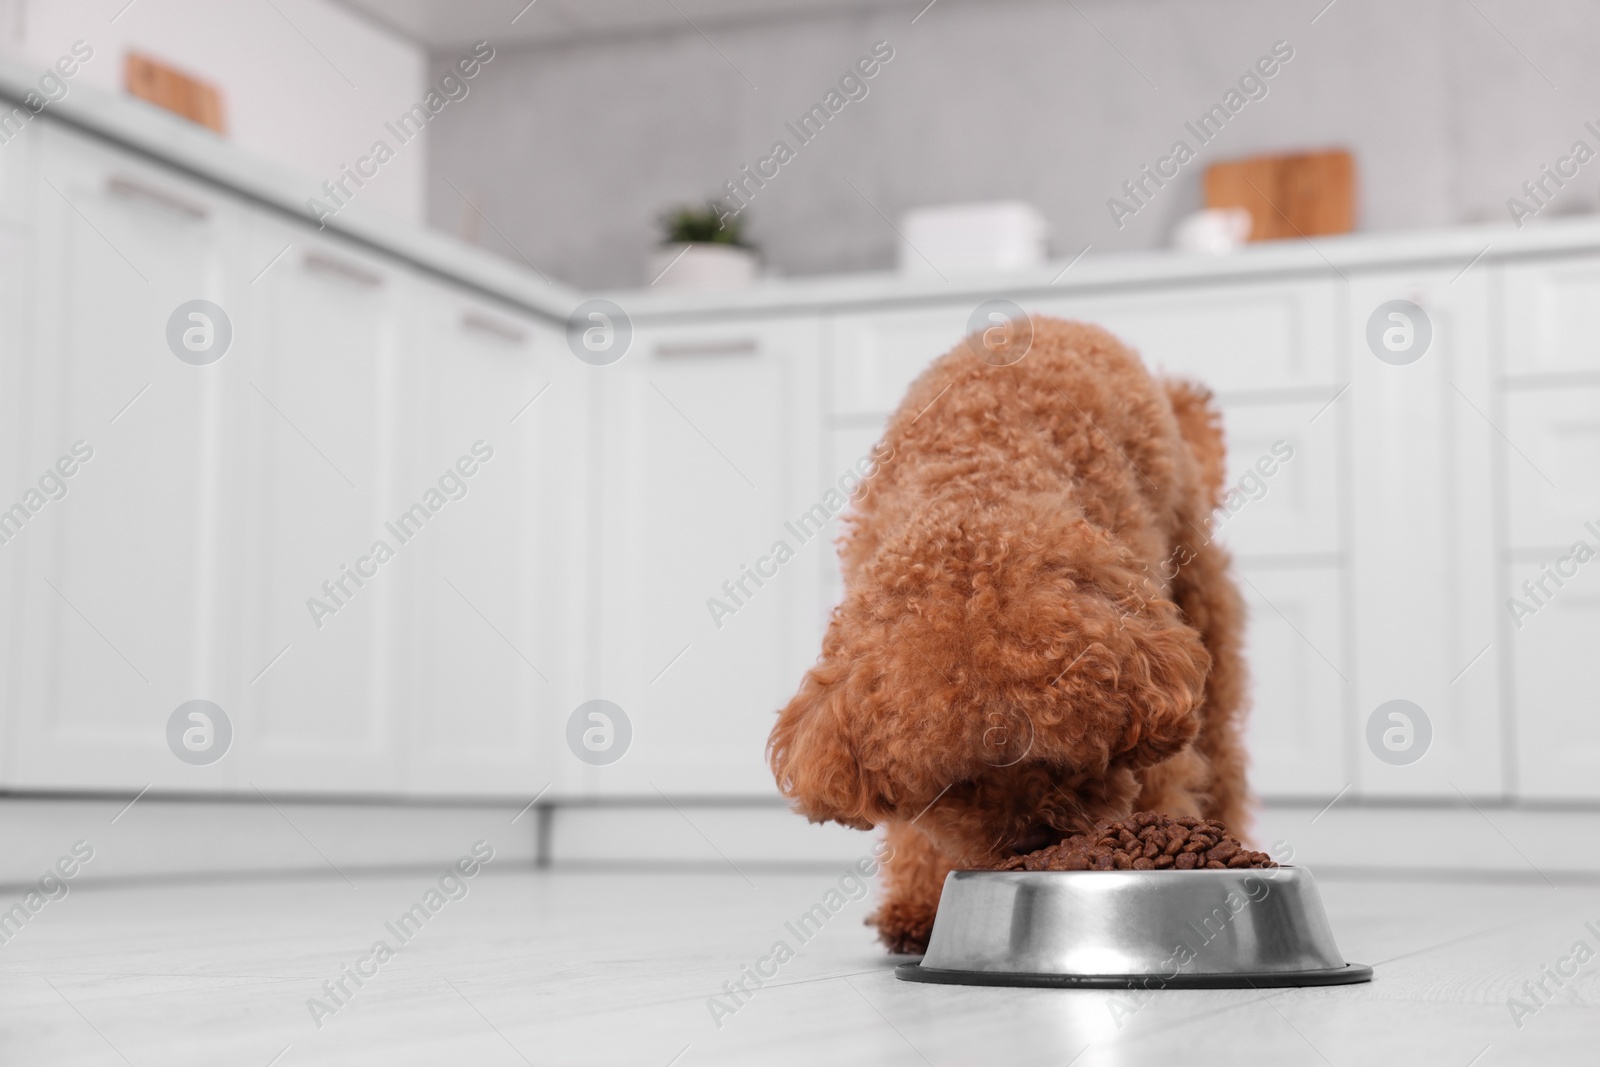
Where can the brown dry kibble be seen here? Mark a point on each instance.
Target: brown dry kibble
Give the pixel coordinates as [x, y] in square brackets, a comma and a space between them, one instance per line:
[1144, 841]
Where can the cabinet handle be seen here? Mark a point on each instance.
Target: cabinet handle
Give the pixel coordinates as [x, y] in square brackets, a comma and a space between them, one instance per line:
[743, 346]
[476, 320]
[134, 189]
[326, 264]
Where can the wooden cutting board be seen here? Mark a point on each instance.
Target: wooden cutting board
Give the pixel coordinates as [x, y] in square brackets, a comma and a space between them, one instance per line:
[170, 88]
[1304, 194]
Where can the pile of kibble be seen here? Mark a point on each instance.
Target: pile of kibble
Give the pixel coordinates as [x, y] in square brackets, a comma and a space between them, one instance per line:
[1146, 841]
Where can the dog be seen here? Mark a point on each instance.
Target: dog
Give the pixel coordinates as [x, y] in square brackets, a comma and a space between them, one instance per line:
[1037, 630]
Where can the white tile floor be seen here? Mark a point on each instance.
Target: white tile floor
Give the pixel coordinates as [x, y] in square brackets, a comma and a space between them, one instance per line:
[616, 967]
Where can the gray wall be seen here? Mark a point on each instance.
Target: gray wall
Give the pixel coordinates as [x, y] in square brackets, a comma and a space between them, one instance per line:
[573, 151]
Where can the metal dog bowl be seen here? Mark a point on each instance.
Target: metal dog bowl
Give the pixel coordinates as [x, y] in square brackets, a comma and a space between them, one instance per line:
[1202, 929]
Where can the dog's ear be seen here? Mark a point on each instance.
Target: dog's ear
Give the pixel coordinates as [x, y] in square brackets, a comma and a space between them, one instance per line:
[1200, 423]
[812, 754]
[1160, 664]
[1116, 675]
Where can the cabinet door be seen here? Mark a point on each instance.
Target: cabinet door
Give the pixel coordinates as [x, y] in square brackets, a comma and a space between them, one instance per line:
[1294, 648]
[18, 177]
[710, 437]
[876, 357]
[1282, 490]
[1553, 470]
[1422, 552]
[121, 602]
[1557, 678]
[496, 662]
[15, 353]
[331, 424]
[849, 448]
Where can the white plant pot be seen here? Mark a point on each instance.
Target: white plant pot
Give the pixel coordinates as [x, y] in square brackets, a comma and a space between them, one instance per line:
[701, 266]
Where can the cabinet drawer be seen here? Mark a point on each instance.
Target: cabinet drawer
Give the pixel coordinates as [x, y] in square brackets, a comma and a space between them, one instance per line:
[1232, 338]
[1556, 439]
[1552, 317]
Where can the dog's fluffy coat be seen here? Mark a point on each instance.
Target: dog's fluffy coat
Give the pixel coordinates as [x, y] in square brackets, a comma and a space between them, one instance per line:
[1037, 630]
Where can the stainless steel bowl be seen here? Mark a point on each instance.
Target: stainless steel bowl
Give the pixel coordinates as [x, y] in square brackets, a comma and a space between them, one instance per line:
[1152, 929]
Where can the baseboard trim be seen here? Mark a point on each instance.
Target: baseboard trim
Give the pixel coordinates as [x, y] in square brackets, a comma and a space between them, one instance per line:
[159, 838]
[189, 837]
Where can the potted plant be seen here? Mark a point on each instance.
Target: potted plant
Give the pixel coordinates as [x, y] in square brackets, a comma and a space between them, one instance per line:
[702, 249]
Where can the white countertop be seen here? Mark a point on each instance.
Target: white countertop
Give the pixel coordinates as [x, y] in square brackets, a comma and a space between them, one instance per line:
[1456, 248]
[194, 149]
[148, 130]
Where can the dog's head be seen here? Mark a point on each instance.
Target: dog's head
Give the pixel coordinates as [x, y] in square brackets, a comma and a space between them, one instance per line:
[1000, 694]
[1008, 664]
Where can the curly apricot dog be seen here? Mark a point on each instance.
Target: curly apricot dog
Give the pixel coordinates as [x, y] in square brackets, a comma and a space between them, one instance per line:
[1038, 630]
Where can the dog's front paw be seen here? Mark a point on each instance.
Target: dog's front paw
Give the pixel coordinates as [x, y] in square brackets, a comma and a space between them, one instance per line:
[904, 927]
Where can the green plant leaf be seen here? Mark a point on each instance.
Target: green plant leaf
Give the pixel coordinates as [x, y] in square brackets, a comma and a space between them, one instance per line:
[692, 225]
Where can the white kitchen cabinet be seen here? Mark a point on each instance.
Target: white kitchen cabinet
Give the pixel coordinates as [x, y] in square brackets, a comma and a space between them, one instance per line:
[710, 436]
[1287, 514]
[1285, 466]
[496, 655]
[185, 557]
[1294, 647]
[1549, 614]
[332, 413]
[1557, 677]
[124, 589]
[1423, 555]
[586, 557]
